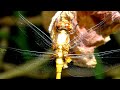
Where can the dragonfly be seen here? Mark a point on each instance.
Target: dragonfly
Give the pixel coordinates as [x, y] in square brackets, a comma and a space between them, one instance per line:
[63, 53]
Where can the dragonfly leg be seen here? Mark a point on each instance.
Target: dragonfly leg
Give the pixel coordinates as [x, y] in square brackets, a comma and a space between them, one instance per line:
[67, 60]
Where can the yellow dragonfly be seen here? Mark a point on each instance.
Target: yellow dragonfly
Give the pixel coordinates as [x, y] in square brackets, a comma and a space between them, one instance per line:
[63, 40]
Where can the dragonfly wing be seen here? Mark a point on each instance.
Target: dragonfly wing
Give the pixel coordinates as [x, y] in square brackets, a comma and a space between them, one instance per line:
[42, 39]
[46, 68]
[106, 61]
[77, 71]
[27, 52]
[98, 32]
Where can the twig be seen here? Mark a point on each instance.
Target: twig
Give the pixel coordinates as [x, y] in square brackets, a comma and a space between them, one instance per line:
[43, 19]
[10, 20]
[32, 74]
[24, 68]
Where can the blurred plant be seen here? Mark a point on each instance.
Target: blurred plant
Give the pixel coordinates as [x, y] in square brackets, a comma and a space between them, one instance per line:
[4, 34]
[99, 68]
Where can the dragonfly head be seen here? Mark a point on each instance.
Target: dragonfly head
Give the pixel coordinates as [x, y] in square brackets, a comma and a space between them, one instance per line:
[64, 25]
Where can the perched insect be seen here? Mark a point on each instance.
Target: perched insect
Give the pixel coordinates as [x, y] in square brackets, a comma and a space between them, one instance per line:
[77, 41]
[68, 41]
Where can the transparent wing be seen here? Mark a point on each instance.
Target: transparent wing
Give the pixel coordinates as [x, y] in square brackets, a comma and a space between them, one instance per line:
[105, 54]
[98, 27]
[42, 39]
[45, 69]
[107, 60]
[28, 52]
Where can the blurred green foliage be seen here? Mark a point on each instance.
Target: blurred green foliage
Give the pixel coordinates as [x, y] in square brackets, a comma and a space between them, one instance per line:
[98, 71]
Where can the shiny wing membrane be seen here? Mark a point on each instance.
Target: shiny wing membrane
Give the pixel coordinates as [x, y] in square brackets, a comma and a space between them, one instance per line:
[102, 58]
[42, 39]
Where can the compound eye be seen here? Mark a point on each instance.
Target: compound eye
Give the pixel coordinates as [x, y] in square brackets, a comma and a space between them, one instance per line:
[59, 25]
